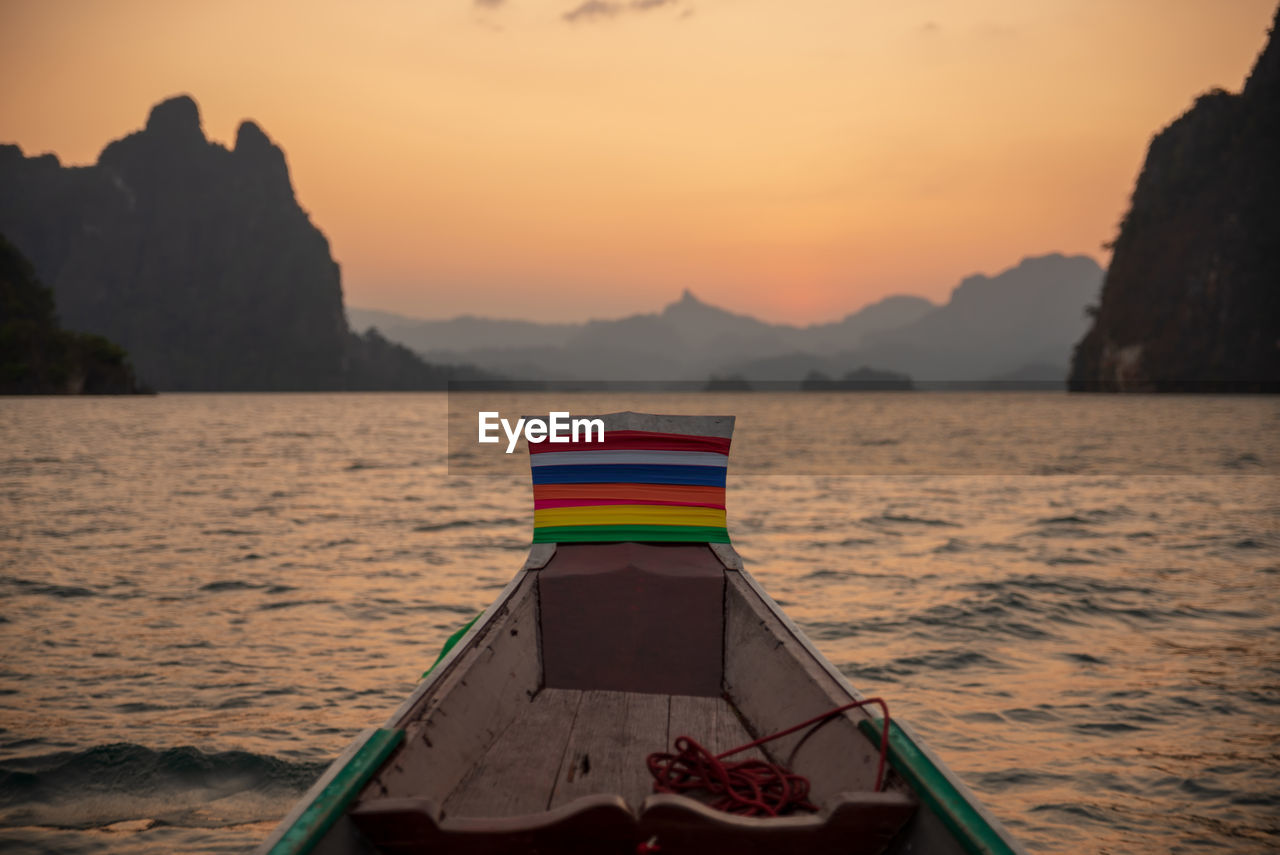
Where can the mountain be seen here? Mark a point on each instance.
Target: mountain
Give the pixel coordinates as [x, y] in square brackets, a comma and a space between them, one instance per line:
[687, 340]
[1191, 301]
[706, 327]
[992, 326]
[634, 347]
[463, 333]
[888, 314]
[1009, 324]
[197, 259]
[37, 356]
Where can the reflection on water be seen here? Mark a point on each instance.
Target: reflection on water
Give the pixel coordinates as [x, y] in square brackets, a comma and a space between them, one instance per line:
[203, 597]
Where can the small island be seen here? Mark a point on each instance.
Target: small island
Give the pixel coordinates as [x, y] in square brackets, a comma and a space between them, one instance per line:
[863, 379]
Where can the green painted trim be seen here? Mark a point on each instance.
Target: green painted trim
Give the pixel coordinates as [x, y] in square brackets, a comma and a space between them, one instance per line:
[973, 832]
[314, 822]
[449, 644]
[641, 533]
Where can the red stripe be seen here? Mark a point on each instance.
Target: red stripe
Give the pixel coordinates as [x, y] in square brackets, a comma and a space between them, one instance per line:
[639, 494]
[539, 504]
[639, 440]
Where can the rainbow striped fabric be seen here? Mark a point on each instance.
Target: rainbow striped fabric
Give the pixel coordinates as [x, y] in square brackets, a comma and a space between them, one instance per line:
[654, 478]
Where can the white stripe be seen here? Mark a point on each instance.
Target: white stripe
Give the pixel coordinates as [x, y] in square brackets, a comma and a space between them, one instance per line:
[612, 458]
[721, 426]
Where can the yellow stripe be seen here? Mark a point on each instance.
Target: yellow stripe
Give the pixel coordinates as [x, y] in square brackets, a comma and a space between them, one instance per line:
[629, 515]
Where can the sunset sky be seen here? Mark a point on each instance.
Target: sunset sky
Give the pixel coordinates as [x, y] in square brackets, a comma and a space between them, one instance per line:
[561, 159]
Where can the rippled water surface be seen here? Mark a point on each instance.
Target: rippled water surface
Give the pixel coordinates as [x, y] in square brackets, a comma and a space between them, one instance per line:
[1072, 598]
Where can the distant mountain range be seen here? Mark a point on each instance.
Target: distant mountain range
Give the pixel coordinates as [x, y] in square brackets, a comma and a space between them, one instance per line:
[1018, 326]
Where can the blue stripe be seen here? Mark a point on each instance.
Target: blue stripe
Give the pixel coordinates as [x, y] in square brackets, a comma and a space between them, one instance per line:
[630, 473]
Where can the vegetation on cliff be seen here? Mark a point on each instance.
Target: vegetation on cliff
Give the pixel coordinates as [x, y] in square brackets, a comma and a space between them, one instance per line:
[37, 356]
[1191, 301]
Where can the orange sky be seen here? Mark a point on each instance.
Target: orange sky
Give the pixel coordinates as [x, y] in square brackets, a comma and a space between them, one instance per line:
[793, 159]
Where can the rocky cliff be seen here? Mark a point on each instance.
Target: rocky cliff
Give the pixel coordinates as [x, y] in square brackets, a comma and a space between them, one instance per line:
[1191, 301]
[197, 259]
[37, 356]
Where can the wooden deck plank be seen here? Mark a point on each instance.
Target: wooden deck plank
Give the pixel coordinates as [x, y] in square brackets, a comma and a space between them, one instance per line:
[647, 720]
[693, 717]
[613, 735]
[593, 761]
[516, 774]
[730, 733]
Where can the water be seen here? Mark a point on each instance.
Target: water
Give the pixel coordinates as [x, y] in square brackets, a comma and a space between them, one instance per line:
[204, 597]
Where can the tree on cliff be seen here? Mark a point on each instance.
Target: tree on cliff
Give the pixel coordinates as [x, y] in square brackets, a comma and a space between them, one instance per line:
[37, 356]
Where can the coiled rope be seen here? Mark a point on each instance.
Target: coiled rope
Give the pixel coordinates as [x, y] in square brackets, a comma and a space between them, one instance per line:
[750, 787]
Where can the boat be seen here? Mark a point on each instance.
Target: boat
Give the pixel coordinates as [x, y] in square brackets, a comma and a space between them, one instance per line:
[632, 646]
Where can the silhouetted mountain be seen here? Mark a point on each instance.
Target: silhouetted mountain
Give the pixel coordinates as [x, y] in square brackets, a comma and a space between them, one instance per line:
[462, 333]
[196, 258]
[37, 356]
[1192, 298]
[688, 339]
[1029, 314]
[376, 364]
[991, 326]
[699, 331]
[891, 313]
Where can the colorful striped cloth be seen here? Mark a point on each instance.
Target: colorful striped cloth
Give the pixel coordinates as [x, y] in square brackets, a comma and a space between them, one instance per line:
[654, 478]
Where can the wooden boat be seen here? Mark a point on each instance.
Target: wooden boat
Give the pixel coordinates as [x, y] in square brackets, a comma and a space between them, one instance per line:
[533, 732]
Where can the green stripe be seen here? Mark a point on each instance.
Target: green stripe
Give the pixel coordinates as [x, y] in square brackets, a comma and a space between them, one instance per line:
[973, 832]
[643, 533]
[450, 642]
[314, 822]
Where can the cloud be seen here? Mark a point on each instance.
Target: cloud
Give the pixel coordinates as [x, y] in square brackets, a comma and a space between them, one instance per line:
[599, 10]
[592, 10]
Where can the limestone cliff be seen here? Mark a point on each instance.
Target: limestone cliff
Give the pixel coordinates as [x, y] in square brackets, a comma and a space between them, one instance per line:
[1191, 301]
[196, 258]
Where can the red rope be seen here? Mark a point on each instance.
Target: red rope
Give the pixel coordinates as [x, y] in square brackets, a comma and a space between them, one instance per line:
[750, 787]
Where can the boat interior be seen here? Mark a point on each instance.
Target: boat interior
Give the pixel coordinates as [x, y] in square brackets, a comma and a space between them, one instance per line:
[533, 734]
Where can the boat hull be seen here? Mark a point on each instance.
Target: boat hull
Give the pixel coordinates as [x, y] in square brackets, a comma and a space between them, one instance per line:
[485, 754]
